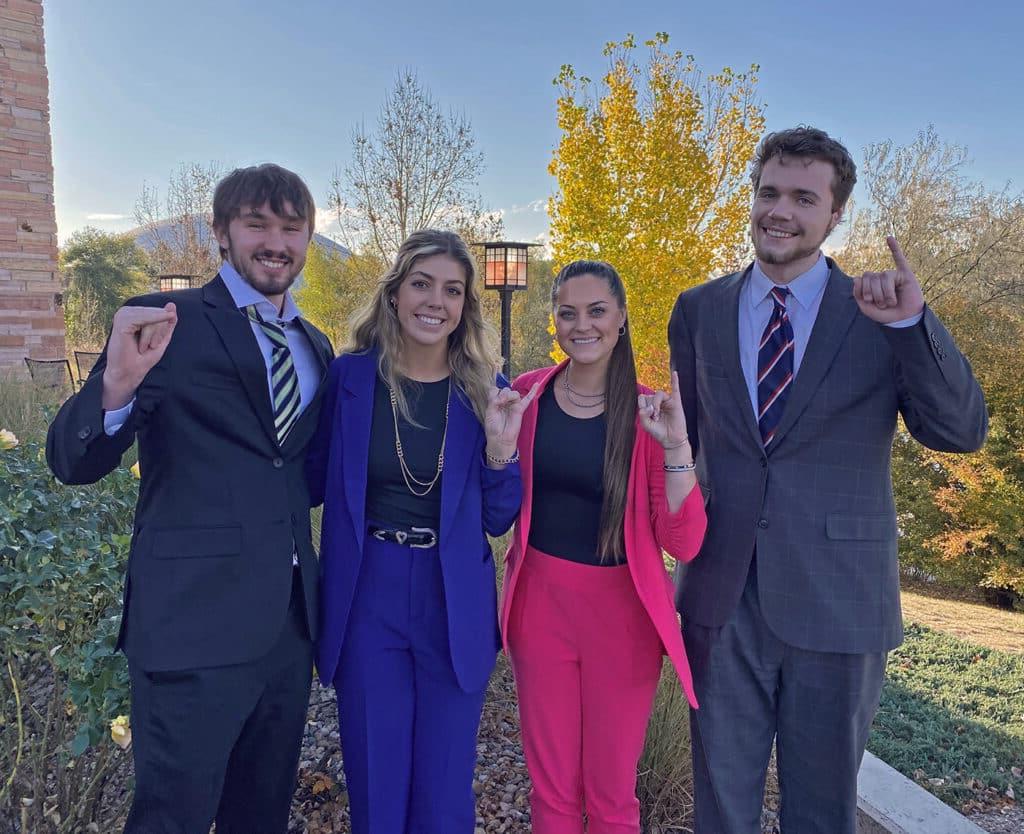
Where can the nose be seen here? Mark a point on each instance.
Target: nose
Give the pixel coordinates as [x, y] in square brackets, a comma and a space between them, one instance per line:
[781, 208]
[273, 239]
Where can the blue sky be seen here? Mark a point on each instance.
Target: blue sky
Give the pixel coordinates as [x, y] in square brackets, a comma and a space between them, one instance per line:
[138, 87]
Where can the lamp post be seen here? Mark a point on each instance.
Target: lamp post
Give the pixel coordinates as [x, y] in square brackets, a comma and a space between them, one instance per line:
[505, 270]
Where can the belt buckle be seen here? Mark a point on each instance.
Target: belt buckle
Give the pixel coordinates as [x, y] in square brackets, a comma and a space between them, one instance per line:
[427, 530]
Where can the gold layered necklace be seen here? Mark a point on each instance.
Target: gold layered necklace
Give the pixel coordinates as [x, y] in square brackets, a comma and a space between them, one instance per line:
[407, 475]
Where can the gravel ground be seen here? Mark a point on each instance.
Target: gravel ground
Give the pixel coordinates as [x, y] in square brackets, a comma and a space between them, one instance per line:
[501, 784]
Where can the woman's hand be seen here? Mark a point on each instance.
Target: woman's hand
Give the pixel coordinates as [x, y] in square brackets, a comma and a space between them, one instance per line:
[504, 418]
[663, 418]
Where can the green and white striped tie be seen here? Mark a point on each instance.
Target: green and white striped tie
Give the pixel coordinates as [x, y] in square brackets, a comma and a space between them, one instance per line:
[284, 380]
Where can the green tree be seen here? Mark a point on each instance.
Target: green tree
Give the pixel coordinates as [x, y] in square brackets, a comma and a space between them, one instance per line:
[333, 287]
[651, 177]
[100, 271]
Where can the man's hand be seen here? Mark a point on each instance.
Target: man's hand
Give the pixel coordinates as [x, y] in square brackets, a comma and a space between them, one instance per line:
[893, 295]
[138, 338]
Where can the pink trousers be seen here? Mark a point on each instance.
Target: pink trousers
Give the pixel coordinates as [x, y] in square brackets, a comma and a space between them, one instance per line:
[586, 660]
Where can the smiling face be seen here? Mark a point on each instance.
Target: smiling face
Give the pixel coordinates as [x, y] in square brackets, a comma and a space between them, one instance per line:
[587, 319]
[268, 250]
[792, 215]
[429, 302]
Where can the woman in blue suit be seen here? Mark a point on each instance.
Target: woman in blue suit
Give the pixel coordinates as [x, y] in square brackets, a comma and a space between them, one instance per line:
[415, 461]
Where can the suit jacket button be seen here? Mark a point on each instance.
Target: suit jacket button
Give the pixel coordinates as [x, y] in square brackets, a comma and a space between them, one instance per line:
[278, 463]
[764, 463]
[84, 432]
[762, 523]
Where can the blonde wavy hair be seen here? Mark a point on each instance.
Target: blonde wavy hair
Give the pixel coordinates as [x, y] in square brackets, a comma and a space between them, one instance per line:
[472, 356]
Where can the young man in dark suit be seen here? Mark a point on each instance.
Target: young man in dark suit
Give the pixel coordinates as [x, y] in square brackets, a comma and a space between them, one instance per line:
[221, 387]
[793, 376]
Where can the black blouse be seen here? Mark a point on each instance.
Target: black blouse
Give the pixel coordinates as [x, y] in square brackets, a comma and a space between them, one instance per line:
[568, 483]
[388, 499]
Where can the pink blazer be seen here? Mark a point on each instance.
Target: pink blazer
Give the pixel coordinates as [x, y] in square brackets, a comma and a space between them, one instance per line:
[649, 529]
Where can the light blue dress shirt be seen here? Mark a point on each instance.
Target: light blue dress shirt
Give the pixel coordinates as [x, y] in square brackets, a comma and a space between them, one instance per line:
[303, 353]
[755, 309]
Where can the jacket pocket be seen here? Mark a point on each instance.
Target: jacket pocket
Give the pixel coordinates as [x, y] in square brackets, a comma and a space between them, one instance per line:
[872, 527]
[197, 542]
[209, 379]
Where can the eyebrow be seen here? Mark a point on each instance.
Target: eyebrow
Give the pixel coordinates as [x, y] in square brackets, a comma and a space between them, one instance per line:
[460, 281]
[798, 191]
[588, 304]
[256, 214]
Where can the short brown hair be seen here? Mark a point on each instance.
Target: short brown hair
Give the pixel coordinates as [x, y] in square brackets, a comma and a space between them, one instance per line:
[259, 184]
[809, 143]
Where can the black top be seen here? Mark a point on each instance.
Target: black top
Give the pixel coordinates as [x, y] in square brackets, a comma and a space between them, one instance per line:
[568, 483]
[388, 499]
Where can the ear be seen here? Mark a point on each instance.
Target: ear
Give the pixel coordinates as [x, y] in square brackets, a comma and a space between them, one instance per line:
[223, 238]
[837, 217]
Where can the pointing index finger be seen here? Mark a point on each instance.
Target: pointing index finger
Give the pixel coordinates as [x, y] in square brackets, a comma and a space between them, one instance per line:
[897, 254]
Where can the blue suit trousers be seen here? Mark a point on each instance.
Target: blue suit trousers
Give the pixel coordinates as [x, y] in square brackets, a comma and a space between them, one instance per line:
[408, 730]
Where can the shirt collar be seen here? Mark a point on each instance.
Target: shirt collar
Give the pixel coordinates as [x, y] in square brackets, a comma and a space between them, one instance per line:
[804, 288]
[245, 294]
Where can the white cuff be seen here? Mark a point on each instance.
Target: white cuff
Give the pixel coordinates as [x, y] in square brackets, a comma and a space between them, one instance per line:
[906, 322]
[113, 420]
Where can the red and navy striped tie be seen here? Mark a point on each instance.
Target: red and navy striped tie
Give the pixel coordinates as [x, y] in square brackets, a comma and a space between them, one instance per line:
[774, 366]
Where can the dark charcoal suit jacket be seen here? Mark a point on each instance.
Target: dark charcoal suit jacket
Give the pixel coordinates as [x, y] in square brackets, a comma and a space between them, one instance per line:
[221, 504]
[818, 504]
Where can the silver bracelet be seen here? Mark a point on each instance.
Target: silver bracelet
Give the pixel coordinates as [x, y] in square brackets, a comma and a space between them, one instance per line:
[679, 445]
[502, 461]
[680, 467]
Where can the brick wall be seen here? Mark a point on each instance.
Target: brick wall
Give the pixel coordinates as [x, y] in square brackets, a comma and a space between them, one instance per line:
[31, 320]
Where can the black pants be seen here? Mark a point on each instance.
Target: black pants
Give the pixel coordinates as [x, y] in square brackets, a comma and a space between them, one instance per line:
[222, 743]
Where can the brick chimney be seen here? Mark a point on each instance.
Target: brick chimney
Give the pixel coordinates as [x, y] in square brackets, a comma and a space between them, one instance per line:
[31, 317]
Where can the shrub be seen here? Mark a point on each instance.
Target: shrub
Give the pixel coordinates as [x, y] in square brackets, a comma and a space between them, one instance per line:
[62, 556]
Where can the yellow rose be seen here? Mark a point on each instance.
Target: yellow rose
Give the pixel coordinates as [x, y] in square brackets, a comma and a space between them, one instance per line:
[8, 440]
[135, 470]
[121, 731]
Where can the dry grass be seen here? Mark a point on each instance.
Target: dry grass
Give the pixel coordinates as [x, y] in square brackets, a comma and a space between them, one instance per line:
[983, 625]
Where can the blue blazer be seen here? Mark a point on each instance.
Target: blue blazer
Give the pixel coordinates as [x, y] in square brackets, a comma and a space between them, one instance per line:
[475, 501]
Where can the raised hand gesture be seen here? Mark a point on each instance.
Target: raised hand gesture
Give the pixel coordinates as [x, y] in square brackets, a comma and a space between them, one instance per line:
[892, 295]
[662, 417]
[504, 418]
[138, 338]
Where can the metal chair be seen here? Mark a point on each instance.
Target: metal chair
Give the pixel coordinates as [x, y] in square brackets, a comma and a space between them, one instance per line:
[53, 375]
[84, 360]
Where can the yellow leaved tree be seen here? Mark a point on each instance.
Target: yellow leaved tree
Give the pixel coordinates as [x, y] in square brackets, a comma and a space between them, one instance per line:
[651, 177]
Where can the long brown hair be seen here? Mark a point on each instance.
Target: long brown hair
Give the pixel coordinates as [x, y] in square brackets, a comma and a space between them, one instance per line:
[620, 411]
[472, 358]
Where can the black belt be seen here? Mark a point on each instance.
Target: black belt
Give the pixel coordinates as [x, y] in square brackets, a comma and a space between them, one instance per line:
[413, 537]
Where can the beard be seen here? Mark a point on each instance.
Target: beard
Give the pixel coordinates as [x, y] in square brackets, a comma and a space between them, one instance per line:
[801, 249]
[261, 278]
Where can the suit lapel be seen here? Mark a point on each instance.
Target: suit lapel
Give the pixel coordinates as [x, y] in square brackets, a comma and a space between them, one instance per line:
[835, 316]
[236, 334]
[460, 445]
[728, 333]
[358, 389]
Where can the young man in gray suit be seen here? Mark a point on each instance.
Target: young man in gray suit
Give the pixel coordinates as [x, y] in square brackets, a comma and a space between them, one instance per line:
[793, 375]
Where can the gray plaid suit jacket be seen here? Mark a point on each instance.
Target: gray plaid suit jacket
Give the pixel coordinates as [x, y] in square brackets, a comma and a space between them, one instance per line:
[818, 505]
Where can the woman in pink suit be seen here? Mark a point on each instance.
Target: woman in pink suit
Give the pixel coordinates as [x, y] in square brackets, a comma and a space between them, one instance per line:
[587, 609]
